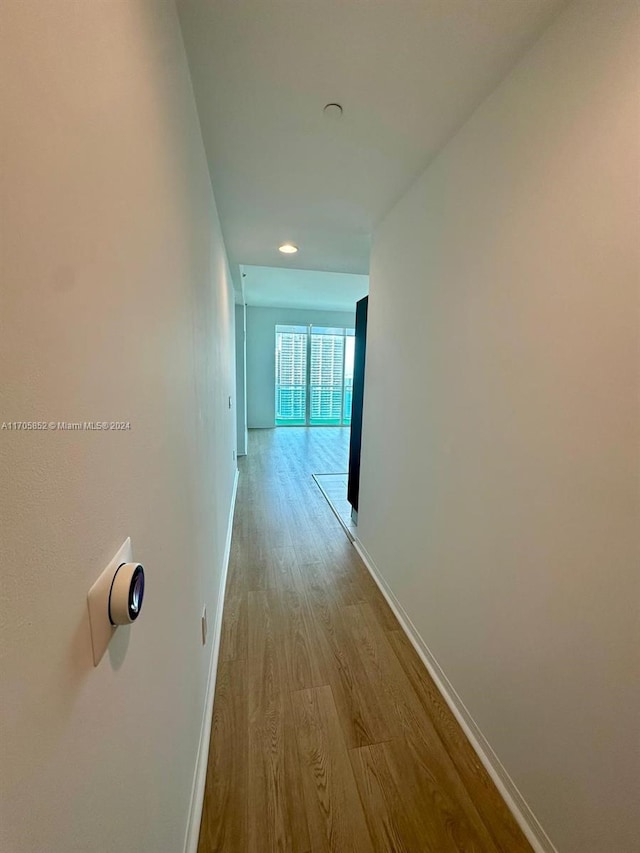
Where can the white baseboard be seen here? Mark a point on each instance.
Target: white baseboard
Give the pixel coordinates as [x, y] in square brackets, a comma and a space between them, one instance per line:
[516, 803]
[200, 774]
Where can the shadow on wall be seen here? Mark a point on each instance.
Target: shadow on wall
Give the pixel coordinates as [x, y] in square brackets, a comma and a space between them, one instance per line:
[48, 710]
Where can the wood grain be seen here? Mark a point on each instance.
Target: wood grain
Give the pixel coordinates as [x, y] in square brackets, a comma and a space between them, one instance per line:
[334, 812]
[328, 733]
[395, 824]
[276, 810]
[224, 813]
[425, 765]
[365, 714]
[499, 821]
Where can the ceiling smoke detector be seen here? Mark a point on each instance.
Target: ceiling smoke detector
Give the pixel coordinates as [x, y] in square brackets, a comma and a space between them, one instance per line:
[332, 110]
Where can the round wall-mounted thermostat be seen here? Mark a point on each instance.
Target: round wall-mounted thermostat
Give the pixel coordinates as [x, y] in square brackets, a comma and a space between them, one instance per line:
[127, 592]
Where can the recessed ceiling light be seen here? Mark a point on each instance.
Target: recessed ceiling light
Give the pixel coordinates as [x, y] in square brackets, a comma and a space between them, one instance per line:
[288, 249]
[332, 110]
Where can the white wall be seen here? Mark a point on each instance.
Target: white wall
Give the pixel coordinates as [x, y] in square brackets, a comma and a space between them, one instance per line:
[504, 333]
[261, 362]
[116, 304]
[241, 379]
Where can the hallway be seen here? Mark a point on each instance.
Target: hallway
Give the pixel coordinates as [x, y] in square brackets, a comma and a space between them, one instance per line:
[328, 733]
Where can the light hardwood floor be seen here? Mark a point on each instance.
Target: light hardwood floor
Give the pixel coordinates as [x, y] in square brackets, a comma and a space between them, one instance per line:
[328, 733]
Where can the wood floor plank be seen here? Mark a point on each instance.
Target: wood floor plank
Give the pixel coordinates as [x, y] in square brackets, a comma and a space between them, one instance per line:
[266, 670]
[280, 562]
[236, 575]
[498, 819]
[234, 636]
[277, 819]
[426, 762]
[404, 809]
[364, 714]
[349, 564]
[300, 642]
[276, 816]
[224, 814]
[334, 811]
[392, 825]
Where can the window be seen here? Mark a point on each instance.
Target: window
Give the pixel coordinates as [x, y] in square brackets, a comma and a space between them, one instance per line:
[314, 375]
[291, 375]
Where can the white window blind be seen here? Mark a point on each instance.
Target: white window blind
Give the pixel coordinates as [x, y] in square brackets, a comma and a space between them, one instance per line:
[291, 374]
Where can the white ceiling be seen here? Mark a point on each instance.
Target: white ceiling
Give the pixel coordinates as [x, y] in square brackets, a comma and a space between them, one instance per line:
[407, 72]
[293, 288]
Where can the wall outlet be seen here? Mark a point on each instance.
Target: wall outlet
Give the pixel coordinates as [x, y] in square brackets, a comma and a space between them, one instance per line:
[204, 626]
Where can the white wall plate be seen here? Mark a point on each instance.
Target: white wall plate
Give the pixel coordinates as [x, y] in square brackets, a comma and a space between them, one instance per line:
[98, 600]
